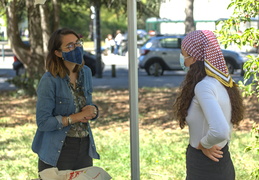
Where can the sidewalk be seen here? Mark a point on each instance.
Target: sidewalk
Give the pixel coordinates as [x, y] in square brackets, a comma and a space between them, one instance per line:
[121, 81]
[6, 72]
[115, 60]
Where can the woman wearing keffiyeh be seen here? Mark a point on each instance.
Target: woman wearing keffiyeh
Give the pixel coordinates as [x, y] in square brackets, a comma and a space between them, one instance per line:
[210, 104]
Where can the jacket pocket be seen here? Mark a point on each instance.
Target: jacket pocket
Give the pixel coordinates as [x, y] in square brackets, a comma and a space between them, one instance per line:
[62, 105]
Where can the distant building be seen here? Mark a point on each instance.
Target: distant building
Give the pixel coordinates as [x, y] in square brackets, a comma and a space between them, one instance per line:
[167, 26]
[206, 12]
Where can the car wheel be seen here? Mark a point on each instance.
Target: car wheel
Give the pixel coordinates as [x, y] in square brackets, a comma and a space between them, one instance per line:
[155, 68]
[230, 67]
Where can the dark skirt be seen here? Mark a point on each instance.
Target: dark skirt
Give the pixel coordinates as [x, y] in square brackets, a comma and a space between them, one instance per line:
[200, 167]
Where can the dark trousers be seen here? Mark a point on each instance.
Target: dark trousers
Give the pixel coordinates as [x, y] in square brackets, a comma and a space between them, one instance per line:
[200, 167]
[73, 156]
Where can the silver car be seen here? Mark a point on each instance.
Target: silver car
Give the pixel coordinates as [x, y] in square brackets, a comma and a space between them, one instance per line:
[162, 52]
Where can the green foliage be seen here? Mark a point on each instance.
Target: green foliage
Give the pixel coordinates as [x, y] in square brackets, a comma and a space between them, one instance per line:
[25, 85]
[237, 30]
[250, 86]
[113, 16]
[254, 145]
[75, 16]
[234, 30]
[110, 23]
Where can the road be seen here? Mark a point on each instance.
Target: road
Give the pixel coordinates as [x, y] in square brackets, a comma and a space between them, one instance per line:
[6, 71]
[169, 79]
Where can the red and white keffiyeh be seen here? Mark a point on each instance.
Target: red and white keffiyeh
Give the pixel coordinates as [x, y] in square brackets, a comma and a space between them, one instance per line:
[202, 45]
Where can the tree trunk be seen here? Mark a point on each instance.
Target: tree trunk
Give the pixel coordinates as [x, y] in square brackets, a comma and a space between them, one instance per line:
[36, 57]
[189, 20]
[56, 8]
[97, 39]
[31, 57]
[18, 47]
[44, 11]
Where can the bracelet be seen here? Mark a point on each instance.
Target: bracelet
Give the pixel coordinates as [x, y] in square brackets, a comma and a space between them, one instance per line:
[69, 120]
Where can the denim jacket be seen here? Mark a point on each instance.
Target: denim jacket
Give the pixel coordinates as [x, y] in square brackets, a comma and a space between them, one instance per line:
[54, 101]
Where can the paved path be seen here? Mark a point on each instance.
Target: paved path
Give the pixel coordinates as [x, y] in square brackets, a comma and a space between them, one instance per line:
[6, 67]
[169, 79]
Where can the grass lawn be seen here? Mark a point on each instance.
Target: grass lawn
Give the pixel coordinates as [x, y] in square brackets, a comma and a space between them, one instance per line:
[162, 143]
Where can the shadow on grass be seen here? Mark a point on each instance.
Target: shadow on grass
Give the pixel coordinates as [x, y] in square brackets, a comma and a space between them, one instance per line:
[16, 110]
[154, 107]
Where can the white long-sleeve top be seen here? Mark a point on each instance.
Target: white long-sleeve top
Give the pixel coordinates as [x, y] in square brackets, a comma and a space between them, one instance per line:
[209, 115]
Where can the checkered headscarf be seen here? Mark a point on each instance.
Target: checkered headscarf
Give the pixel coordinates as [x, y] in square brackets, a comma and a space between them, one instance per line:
[202, 45]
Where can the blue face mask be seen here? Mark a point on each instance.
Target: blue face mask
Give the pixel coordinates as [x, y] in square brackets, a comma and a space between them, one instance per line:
[186, 69]
[74, 56]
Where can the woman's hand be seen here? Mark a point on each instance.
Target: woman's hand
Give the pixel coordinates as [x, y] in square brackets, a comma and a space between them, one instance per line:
[89, 112]
[213, 153]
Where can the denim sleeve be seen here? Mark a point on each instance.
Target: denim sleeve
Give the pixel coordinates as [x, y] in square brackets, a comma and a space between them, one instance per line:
[88, 75]
[45, 106]
[97, 112]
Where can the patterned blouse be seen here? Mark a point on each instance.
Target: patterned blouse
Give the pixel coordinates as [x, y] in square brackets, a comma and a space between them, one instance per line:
[78, 129]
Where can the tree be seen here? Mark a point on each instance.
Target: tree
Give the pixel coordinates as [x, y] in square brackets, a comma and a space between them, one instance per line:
[189, 20]
[32, 56]
[56, 10]
[231, 33]
[97, 26]
[43, 20]
[117, 6]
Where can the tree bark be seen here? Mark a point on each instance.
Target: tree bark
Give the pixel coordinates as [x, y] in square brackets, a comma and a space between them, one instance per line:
[189, 20]
[97, 40]
[45, 28]
[31, 56]
[36, 57]
[18, 47]
[56, 8]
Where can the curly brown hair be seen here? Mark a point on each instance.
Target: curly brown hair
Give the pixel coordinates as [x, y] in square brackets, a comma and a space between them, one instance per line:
[184, 98]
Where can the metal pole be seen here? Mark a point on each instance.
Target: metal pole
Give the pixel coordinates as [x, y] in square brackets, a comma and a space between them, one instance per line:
[133, 87]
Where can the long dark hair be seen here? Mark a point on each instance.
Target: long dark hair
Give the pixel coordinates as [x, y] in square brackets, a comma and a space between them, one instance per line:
[54, 64]
[186, 94]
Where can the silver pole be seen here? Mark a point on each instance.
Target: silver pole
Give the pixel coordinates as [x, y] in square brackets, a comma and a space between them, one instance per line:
[133, 88]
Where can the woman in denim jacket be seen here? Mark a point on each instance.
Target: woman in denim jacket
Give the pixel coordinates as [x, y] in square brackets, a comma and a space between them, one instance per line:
[63, 138]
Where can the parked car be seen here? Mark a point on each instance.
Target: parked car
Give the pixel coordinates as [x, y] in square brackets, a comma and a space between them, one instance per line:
[89, 60]
[162, 52]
